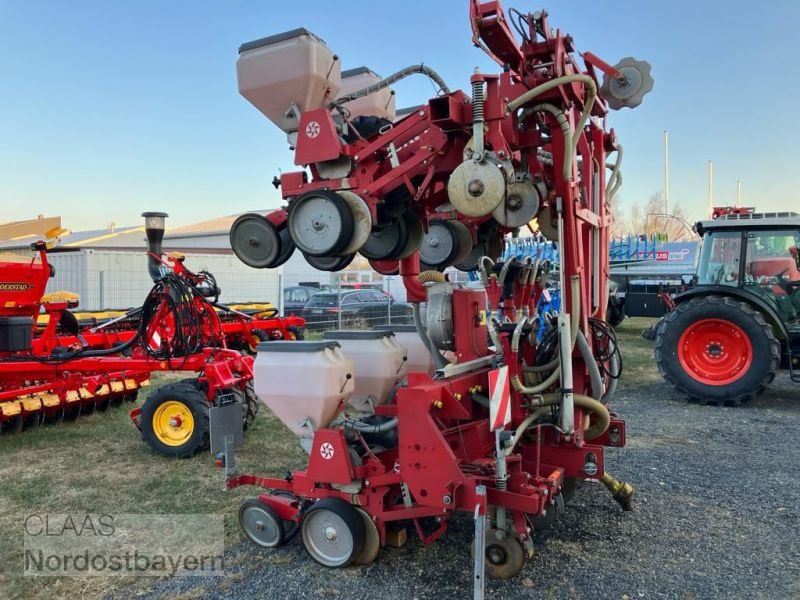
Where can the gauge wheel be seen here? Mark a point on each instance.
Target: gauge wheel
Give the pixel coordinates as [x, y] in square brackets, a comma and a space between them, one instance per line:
[504, 556]
[255, 241]
[372, 540]
[260, 524]
[388, 241]
[174, 420]
[330, 263]
[717, 350]
[333, 533]
[321, 223]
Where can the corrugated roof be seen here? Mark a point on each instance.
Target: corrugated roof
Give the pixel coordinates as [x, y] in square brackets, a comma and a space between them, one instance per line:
[219, 225]
[121, 237]
[129, 237]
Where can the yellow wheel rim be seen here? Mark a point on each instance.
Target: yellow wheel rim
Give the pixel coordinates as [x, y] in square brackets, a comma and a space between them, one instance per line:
[173, 423]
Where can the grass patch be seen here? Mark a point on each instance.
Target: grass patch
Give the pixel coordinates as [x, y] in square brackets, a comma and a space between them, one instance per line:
[637, 352]
[99, 464]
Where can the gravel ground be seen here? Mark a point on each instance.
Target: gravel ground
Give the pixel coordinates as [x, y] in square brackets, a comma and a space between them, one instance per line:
[716, 516]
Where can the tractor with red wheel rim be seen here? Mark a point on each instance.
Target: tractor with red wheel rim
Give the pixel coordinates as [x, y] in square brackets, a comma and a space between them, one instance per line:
[725, 339]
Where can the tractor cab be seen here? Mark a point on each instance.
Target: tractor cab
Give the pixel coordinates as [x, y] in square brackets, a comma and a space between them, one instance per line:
[756, 253]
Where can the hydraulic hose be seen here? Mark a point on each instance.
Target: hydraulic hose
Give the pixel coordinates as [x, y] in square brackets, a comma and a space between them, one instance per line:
[494, 336]
[394, 77]
[369, 428]
[591, 365]
[563, 123]
[548, 400]
[614, 368]
[614, 180]
[575, 316]
[588, 103]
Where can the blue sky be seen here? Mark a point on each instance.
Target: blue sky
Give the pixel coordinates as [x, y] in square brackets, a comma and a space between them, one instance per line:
[110, 108]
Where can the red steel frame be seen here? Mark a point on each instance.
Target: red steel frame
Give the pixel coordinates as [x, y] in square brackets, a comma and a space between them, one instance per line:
[445, 447]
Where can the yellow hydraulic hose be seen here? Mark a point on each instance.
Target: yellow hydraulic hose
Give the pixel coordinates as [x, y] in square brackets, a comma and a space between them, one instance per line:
[544, 403]
[431, 277]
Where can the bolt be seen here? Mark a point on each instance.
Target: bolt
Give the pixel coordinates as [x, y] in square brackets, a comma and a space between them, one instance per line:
[330, 533]
[475, 188]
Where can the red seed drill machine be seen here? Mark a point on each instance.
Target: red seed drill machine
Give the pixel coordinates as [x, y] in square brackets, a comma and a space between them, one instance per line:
[503, 426]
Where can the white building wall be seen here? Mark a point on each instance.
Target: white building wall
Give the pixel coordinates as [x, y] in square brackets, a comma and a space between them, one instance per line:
[119, 279]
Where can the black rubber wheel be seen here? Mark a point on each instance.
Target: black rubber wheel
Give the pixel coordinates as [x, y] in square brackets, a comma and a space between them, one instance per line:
[255, 241]
[174, 420]
[333, 532]
[290, 528]
[298, 333]
[321, 223]
[260, 524]
[716, 350]
[251, 405]
[388, 241]
[254, 339]
[287, 247]
[330, 263]
[445, 243]
[615, 312]
[504, 556]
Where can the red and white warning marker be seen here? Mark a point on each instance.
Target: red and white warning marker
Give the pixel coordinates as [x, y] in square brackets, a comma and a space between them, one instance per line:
[499, 398]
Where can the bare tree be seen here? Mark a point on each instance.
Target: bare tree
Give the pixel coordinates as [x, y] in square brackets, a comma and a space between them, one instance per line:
[652, 220]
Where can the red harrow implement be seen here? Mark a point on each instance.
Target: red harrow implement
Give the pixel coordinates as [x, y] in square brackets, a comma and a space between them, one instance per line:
[65, 370]
[506, 425]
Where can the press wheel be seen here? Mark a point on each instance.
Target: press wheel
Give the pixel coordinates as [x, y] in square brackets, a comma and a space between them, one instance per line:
[362, 222]
[260, 524]
[255, 241]
[386, 242]
[372, 540]
[446, 242]
[321, 223]
[330, 263]
[333, 532]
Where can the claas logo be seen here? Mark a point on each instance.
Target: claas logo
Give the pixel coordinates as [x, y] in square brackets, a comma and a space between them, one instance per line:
[14, 286]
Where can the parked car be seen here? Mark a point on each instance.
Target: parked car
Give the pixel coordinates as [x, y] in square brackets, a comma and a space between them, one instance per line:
[295, 298]
[360, 309]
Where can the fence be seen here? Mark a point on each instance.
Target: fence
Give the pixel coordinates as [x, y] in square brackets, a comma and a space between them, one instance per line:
[363, 307]
[101, 289]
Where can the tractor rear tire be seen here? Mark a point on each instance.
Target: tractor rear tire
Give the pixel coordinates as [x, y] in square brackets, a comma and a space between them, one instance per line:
[175, 420]
[716, 350]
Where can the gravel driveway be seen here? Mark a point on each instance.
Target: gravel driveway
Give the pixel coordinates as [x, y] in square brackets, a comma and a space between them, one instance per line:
[716, 516]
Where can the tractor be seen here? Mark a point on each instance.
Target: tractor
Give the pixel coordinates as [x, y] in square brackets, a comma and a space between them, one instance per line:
[727, 336]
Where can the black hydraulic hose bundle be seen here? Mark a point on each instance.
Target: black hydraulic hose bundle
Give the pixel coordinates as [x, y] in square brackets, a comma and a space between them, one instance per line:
[187, 337]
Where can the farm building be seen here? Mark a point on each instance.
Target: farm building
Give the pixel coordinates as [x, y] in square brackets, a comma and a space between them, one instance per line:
[108, 268]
